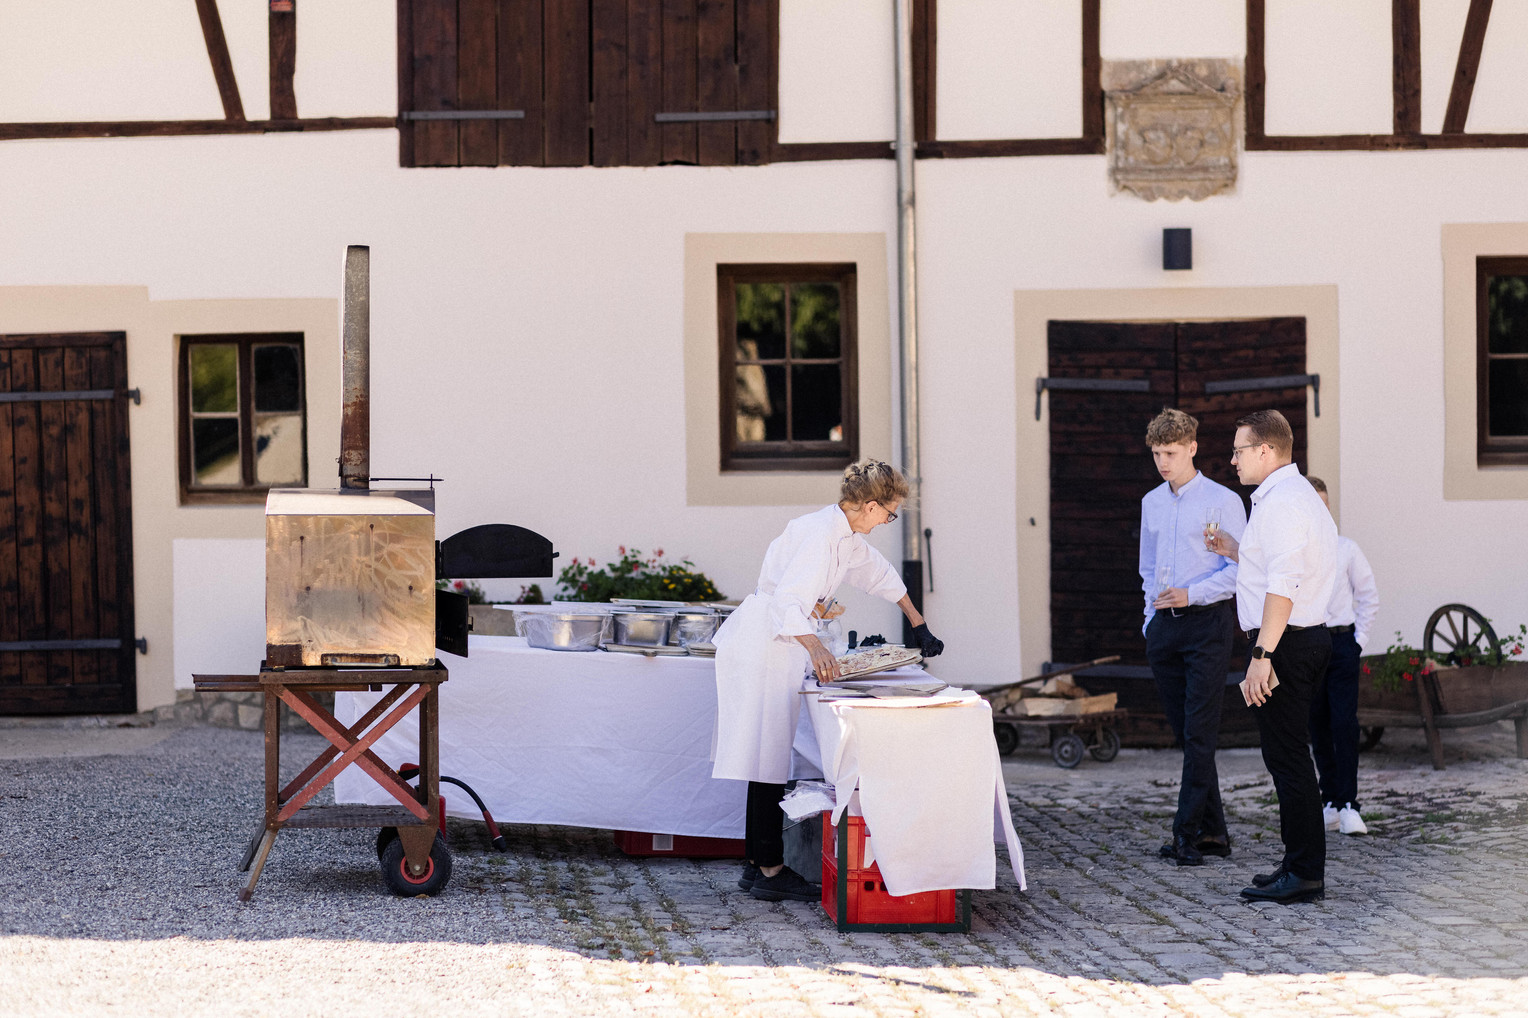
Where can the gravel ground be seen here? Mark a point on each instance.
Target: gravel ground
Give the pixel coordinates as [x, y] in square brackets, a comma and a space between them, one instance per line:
[127, 850]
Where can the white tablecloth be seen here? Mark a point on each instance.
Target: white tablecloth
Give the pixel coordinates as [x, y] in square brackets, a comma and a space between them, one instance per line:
[592, 739]
[929, 783]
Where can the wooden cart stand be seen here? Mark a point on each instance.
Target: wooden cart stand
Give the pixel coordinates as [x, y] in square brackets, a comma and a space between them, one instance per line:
[1071, 735]
[414, 858]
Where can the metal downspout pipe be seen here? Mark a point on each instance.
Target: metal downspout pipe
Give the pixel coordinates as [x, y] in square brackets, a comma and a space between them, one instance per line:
[907, 312]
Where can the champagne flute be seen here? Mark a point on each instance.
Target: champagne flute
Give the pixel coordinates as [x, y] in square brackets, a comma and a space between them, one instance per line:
[1211, 524]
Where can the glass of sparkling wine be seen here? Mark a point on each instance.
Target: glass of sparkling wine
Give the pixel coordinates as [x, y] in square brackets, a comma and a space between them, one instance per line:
[1211, 522]
[1164, 579]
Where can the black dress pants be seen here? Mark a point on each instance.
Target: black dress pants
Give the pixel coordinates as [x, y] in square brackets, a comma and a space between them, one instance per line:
[763, 828]
[1334, 724]
[1283, 723]
[1190, 654]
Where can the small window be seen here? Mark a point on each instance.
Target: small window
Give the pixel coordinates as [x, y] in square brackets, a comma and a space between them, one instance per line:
[1501, 311]
[787, 358]
[243, 417]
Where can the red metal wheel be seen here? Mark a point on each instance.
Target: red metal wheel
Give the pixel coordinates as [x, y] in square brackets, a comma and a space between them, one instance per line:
[395, 870]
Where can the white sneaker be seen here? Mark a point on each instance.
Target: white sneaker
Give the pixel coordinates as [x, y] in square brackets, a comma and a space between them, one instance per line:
[1349, 822]
[1329, 815]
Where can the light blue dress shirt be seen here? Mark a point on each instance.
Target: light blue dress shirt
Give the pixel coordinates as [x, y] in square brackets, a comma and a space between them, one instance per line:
[1172, 534]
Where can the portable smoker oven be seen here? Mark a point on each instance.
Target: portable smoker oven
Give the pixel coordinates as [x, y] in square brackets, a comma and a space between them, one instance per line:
[351, 606]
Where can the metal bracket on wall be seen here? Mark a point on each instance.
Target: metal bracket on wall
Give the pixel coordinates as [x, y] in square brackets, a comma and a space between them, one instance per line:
[688, 118]
[68, 395]
[462, 115]
[1088, 385]
[1271, 382]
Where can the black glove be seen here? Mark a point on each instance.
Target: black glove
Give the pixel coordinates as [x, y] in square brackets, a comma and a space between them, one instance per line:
[929, 644]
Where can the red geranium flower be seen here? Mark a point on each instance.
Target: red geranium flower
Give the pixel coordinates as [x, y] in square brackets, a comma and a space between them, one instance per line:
[1406, 676]
[1411, 660]
[1366, 669]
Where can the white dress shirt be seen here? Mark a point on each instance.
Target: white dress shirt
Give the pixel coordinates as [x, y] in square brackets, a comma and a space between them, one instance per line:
[1289, 549]
[807, 563]
[1172, 534]
[1355, 598]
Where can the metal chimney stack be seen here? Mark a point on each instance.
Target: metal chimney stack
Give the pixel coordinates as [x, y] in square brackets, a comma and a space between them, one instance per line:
[355, 371]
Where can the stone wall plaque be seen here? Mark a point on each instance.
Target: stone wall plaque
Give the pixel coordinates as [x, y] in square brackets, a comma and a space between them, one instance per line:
[1174, 134]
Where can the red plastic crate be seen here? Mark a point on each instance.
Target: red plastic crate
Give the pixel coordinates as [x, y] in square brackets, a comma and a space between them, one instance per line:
[685, 846]
[855, 897]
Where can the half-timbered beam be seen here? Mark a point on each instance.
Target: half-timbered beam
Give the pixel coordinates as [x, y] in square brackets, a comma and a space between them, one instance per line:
[1092, 72]
[1470, 46]
[1257, 71]
[222, 64]
[170, 128]
[283, 55]
[1406, 66]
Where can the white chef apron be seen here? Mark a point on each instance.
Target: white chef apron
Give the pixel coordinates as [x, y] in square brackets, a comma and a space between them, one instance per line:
[758, 695]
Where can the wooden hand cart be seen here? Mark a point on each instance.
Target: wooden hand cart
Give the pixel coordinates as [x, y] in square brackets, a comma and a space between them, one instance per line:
[1455, 688]
[1071, 735]
[414, 857]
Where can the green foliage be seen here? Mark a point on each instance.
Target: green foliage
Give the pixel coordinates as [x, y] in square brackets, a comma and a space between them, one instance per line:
[1402, 663]
[530, 595]
[633, 576]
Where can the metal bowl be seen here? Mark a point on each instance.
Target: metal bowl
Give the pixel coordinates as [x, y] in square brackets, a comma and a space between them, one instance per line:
[563, 630]
[693, 627]
[642, 629]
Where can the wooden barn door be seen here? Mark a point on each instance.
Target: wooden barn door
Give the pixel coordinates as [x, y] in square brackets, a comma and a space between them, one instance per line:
[66, 601]
[1100, 466]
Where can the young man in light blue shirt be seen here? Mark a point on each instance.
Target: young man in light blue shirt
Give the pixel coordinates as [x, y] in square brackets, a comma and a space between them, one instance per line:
[1190, 623]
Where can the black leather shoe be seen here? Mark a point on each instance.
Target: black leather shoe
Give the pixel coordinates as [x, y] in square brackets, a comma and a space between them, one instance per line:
[1211, 845]
[1264, 879]
[785, 885]
[750, 875]
[1287, 890]
[1166, 851]
[1184, 853]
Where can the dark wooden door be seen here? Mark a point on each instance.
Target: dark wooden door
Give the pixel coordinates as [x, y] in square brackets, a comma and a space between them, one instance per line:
[66, 603]
[1100, 466]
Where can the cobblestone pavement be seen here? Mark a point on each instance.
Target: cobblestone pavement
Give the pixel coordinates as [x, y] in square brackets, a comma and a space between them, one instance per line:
[119, 899]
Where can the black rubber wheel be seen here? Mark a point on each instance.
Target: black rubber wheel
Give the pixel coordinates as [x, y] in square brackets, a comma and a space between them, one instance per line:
[1369, 736]
[1457, 632]
[400, 881]
[1107, 746]
[1067, 750]
[1007, 737]
[385, 835]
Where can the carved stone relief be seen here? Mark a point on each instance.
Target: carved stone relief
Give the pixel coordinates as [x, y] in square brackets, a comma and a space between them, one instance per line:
[1174, 128]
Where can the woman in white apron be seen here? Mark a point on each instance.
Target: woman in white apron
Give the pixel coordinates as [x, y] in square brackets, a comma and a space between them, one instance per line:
[769, 643]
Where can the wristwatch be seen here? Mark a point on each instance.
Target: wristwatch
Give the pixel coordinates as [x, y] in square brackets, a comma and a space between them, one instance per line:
[1258, 652]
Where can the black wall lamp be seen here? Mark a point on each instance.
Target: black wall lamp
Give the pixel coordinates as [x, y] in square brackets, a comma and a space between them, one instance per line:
[1177, 249]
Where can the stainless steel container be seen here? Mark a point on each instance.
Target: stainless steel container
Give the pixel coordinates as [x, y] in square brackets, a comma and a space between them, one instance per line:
[563, 630]
[642, 629]
[349, 578]
[693, 627]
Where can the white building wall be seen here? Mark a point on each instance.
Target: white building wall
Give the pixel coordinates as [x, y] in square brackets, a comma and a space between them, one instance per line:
[1009, 69]
[528, 323]
[1328, 66]
[1150, 30]
[837, 71]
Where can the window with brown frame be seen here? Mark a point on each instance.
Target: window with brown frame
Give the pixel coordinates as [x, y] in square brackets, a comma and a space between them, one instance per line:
[243, 416]
[789, 387]
[1501, 389]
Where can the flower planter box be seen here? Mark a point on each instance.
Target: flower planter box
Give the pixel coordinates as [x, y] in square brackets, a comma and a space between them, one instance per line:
[1451, 698]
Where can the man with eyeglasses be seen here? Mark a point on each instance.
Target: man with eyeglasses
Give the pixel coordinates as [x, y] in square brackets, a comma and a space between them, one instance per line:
[1286, 569]
[1190, 624]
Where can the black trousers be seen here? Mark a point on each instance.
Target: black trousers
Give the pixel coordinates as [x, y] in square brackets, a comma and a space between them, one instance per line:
[1190, 655]
[763, 828]
[1283, 723]
[1334, 723]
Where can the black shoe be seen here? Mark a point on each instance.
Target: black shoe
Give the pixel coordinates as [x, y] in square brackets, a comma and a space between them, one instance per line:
[1287, 890]
[1166, 851]
[1211, 845]
[785, 885]
[750, 874]
[1183, 852]
[1264, 879]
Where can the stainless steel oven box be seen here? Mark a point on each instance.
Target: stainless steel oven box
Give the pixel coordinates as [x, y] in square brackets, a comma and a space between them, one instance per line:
[349, 578]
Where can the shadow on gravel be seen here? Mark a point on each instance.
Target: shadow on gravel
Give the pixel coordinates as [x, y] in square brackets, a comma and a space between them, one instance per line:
[145, 846]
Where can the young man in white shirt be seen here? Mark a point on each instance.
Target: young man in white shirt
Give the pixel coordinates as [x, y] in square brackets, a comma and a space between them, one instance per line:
[1286, 568]
[1334, 711]
[1190, 624]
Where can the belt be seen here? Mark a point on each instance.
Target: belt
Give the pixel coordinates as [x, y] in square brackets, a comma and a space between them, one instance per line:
[1342, 629]
[1195, 609]
[1251, 634]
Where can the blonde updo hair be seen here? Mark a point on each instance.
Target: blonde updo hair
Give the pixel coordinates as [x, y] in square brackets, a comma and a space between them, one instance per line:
[872, 481]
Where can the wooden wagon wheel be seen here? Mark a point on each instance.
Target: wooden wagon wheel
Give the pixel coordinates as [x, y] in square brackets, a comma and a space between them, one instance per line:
[1457, 631]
